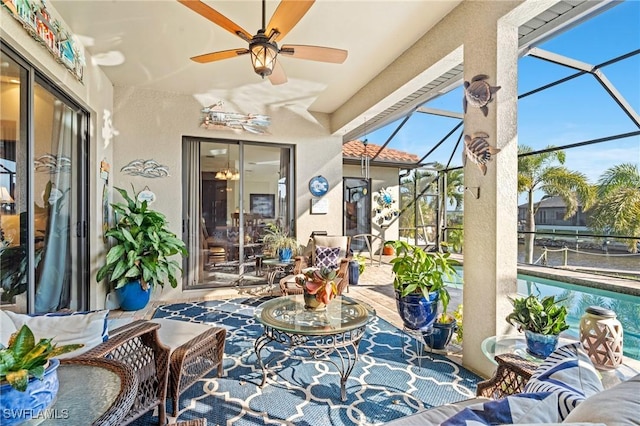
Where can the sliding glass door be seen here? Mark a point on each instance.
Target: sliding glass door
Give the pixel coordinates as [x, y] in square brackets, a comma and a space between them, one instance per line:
[233, 189]
[43, 242]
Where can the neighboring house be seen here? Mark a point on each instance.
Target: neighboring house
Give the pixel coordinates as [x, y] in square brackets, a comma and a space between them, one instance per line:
[550, 211]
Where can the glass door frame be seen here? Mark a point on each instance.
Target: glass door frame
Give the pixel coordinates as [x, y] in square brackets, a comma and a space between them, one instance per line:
[188, 227]
[81, 287]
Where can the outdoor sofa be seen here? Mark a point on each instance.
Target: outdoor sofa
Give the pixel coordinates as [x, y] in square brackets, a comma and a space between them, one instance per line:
[564, 389]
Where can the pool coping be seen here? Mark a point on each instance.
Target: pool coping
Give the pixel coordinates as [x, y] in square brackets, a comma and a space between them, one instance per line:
[617, 285]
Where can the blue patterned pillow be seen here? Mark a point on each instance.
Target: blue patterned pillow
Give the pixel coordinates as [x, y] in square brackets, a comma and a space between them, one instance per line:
[327, 257]
[520, 408]
[569, 372]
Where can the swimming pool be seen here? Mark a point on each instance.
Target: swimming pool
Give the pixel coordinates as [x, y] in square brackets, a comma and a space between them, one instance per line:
[577, 298]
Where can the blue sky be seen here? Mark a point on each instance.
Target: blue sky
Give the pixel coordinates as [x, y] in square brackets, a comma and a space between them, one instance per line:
[576, 111]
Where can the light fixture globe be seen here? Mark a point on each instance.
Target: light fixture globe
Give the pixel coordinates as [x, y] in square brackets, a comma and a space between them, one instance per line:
[263, 54]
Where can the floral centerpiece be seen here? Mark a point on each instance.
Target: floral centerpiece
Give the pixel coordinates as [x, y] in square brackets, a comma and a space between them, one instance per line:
[319, 286]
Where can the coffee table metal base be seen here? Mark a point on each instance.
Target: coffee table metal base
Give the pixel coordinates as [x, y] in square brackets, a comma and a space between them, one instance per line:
[344, 345]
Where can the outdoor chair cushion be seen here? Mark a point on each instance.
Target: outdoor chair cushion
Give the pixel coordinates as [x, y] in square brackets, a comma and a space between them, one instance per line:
[88, 328]
[619, 405]
[569, 372]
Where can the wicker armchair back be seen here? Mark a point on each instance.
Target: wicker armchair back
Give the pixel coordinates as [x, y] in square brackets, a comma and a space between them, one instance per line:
[138, 346]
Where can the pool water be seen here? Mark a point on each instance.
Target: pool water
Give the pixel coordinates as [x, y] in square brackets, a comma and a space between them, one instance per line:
[577, 298]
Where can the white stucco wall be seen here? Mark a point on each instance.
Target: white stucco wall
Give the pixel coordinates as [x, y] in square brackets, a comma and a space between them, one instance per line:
[381, 177]
[152, 124]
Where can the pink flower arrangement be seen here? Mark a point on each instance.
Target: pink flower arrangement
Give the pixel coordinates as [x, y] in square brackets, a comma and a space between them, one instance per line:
[319, 282]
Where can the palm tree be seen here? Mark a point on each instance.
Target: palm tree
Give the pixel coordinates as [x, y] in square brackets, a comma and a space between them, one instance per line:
[617, 208]
[545, 172]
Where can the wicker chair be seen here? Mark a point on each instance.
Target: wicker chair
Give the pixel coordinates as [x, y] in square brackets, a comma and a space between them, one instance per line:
[288, 285]
[511, 376]
[137, 345]
[196, 349]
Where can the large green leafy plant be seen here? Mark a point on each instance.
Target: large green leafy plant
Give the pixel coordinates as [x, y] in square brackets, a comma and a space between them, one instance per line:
[144, 246]
[416, 271]
[24, 357]
[544, 316]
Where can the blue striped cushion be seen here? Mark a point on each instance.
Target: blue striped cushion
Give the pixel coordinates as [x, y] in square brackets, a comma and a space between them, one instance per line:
[520, 408]
[569, 372]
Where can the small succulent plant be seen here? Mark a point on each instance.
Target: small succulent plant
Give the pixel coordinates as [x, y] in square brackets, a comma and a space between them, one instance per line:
[320, 282]
[24, 357]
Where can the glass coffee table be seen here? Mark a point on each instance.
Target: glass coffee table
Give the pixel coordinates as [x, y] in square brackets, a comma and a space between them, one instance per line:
[517, 345]
[336, 330]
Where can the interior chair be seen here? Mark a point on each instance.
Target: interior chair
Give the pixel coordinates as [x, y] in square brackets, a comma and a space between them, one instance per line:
[214, 251]
[321, 251]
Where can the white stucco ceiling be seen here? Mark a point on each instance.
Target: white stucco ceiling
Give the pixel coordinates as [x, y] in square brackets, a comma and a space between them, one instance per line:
[156, 38]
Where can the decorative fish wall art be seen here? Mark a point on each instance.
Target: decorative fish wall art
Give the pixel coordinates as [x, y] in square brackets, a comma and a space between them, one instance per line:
[478, 93]
[146, 168]
[478, 150]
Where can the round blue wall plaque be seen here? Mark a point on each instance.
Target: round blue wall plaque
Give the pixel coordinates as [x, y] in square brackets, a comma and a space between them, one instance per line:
[318, 186]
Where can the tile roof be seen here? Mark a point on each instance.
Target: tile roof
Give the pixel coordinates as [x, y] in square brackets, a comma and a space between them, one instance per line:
[355, 149]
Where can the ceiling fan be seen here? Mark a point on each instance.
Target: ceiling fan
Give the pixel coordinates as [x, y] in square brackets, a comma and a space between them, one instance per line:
[263, 46]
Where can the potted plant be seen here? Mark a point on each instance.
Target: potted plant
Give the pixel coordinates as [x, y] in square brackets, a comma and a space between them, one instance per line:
[141, 256]
[419, 282]
[542, 319]
[28, 375]
[319, 286]
[278, 241]
[444, 328]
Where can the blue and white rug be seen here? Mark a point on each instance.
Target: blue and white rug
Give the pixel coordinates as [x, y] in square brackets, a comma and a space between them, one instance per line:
[386, 382]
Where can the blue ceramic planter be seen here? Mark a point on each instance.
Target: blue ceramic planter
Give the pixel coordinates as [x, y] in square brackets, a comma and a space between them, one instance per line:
[440, 335]
[540, 345]
[284, 254]
[132, 297]
[354, 272]
[416, 311]
[17, 407]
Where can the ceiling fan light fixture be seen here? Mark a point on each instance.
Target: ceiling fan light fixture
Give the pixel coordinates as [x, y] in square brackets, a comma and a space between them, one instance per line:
[263, 55]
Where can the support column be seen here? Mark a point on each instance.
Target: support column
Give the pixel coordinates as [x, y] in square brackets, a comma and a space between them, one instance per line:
[490, 201]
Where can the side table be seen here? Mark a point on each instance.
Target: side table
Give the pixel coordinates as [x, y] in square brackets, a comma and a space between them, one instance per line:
[275, 267]
[93, 391]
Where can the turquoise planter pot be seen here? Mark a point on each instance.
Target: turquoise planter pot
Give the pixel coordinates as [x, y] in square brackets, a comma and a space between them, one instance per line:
[17, 407]
[132, 297]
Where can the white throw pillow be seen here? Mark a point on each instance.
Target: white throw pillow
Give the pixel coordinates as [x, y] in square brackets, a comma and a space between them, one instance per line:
[88, 328]
[7, 328]
[617, 406]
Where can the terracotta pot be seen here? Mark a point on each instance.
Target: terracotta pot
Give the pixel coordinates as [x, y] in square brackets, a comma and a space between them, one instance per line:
[388, 251]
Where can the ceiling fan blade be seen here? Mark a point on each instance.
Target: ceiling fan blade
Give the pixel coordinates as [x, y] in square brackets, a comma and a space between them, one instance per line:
[277, 75]
[287, 15]
[218, 56]
[314, 53]
[217, 18]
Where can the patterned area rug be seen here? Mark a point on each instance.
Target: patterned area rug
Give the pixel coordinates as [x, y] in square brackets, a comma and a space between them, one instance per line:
[387, 382]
